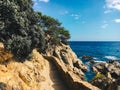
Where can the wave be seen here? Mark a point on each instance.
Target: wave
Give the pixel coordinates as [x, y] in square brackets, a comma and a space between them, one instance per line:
[95, 58]
[100, 61]
[111, 57]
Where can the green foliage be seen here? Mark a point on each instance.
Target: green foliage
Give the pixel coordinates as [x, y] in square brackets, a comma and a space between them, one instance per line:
[64, 35]
[98, 76]
[54, 29]
[48, 23]
[18, 27]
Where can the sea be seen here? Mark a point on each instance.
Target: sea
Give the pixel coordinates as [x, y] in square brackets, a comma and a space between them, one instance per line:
[101, 51]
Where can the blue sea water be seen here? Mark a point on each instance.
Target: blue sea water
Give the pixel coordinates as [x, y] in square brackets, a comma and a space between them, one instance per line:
[101, 51]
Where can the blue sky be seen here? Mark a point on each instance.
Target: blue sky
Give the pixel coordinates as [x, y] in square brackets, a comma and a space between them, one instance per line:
[87, 20]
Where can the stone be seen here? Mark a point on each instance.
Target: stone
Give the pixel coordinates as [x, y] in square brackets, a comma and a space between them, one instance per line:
[95, 69]
[118, 87]
[99, 67]
[87, 57]
[4, 86]
[111, 70]
[109, 75]
[78, 64]
[78, 72]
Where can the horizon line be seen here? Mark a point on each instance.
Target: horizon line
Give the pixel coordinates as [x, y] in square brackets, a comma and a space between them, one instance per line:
[92, 41]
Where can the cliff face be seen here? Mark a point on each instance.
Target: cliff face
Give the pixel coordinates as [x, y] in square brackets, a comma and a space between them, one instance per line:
[58, 70]
[29, 75]
[66, 56]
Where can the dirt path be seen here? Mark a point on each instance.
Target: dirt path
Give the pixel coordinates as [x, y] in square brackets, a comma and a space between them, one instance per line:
[52, 80]
[58, 82]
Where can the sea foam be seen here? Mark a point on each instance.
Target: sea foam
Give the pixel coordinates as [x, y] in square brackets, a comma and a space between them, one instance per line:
[111, 57]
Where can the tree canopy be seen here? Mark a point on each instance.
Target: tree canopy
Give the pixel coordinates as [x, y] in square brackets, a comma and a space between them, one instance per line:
[22, 29]
[53, 27]
[18, 27]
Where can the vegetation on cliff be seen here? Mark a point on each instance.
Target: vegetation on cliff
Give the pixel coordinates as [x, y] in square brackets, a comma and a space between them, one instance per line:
[22, 29]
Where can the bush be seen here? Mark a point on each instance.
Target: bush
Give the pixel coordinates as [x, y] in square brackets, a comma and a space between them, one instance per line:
[53, 27]
[99, 76]
[18, 27]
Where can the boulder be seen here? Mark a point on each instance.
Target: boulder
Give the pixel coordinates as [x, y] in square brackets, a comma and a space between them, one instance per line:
[111, 71]
[85, 57]
[78, 72]
[65, 54]
[4, 86]
[99, 67]
[78, 64]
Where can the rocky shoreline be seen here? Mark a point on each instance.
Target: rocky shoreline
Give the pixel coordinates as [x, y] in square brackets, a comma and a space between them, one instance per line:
[107, 75]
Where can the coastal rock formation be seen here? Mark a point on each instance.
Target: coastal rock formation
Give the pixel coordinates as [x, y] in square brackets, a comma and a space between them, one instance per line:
[108, 75]
[73, 80]
[38, 74]
[87, 57]
[65, 54]
[112, 67]
[29, 75]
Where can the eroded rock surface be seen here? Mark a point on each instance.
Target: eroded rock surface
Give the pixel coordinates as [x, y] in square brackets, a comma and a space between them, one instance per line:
[108, 75]
[39, 73]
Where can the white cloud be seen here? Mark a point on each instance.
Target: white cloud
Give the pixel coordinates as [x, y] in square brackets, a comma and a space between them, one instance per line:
[107, 11]
[35, 3]
[64, 12]
[104, 26]
[44, 1]
[76, 16]
[113, 4]
[117, 20]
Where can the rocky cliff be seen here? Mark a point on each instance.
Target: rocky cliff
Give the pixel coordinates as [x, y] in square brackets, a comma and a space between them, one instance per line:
[107, 75]
[58, 69]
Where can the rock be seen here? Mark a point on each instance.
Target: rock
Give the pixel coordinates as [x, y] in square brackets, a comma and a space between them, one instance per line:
[35, 74]
[103, 82]
[78, 72]
[25, 76]
[80, 65]
[1, 45]
[95, 69]
[111, 61]
[99, 67]
[4, 55]
[72, 78]
[111, 70]
[92, 61]
[67, 56]
[108, 75]
[118, 87]
[114, 69]
[87, 57]
[4, 86]
[61, 52]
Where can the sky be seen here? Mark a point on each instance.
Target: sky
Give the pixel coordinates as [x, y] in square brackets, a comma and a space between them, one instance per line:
[86, 20]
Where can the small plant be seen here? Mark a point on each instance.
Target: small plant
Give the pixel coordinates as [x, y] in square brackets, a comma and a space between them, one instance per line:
[99, 76]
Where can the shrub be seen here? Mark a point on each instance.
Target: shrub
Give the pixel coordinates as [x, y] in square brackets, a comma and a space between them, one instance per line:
[18, 27]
